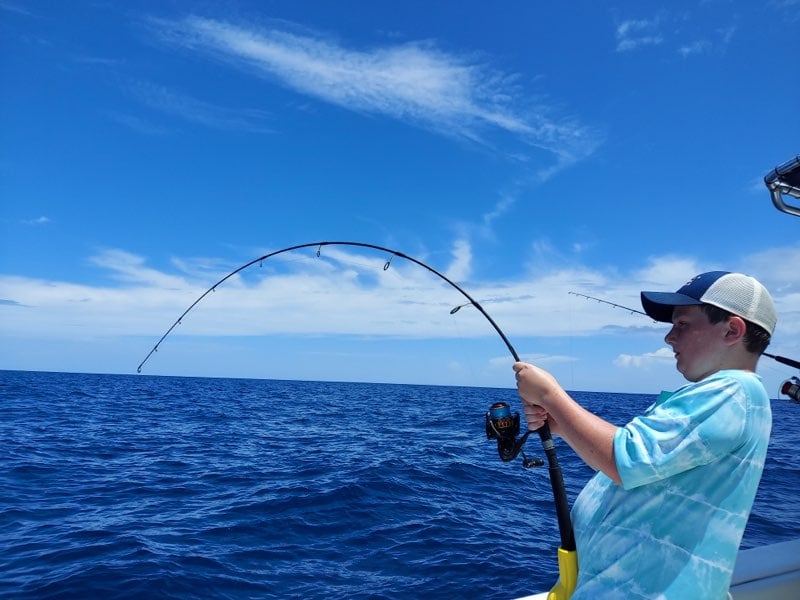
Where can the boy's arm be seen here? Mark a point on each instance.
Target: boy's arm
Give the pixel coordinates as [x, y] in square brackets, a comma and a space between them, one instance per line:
[591, 437]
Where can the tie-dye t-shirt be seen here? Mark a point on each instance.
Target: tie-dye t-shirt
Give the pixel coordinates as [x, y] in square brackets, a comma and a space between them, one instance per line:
[689, 467]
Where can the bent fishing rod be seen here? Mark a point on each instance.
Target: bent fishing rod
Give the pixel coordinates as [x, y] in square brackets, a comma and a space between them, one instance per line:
[500, 424]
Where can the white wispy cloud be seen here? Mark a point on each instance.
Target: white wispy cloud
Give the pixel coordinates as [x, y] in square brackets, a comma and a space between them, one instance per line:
[42, 220]
[501, 207]
[789, 9]
[633, 34]
[675, 32]
[172, 102]
[15, 7]
[716, 43]
[414, 82]
[130, 269]
[696, 47]
[461, 267]
[660, 356]
[670, 269]
[136, 123]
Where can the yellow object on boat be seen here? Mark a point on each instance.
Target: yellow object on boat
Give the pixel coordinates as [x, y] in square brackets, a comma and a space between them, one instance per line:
[567, 575]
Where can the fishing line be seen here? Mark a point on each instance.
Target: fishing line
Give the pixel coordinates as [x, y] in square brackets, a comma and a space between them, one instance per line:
[571, 347]
[469, 364]
[508, 446]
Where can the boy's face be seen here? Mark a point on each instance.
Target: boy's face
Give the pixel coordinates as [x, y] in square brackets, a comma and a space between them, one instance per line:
[698, 345]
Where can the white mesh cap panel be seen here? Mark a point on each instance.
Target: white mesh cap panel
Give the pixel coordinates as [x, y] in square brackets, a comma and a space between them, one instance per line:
[743, 296]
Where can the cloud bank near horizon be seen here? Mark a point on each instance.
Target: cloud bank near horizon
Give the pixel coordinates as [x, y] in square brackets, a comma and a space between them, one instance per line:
[344, 292]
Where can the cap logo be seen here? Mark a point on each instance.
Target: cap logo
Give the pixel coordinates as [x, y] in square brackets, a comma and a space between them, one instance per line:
[692, 280]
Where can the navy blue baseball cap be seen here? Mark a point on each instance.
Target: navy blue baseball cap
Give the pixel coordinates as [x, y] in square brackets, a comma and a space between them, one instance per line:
[739, 294]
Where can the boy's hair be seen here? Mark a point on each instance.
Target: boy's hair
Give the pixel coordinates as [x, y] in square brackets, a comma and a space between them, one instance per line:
[756, 338]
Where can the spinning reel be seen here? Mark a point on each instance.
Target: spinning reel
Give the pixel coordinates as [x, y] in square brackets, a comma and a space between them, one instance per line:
[502, 426]
[791, 388]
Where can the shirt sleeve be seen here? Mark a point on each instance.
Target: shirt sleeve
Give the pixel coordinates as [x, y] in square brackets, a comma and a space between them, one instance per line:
[695, 426]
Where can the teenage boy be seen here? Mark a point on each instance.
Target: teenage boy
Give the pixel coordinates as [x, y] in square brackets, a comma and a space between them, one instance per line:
[664, 515]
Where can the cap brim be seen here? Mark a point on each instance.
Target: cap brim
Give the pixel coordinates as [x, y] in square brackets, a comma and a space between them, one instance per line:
[659, 305]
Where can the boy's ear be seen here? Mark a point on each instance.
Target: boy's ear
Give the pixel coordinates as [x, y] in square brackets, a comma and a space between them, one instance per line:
[736, 329]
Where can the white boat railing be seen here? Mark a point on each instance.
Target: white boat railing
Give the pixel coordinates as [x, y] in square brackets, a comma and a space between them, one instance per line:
[767, 572]
[771, 571]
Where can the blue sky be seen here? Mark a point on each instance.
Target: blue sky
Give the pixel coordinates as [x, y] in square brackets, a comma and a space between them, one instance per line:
[524, 149]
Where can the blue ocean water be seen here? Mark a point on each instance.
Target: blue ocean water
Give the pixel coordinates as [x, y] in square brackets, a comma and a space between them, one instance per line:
[119, 486]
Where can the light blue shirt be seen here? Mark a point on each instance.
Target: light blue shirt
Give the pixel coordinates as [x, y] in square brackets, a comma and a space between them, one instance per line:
[690, 468]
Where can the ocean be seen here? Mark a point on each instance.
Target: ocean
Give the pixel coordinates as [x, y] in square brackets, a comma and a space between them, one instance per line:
[132, 486]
